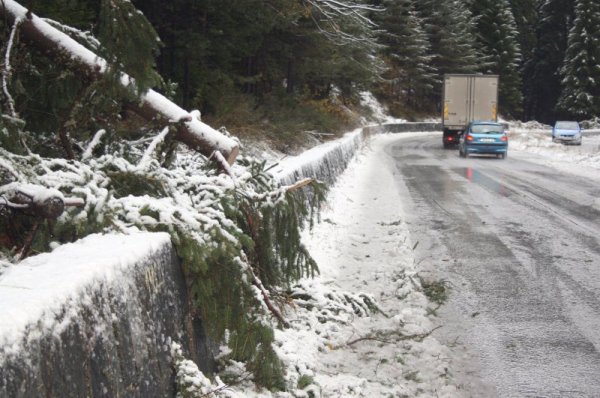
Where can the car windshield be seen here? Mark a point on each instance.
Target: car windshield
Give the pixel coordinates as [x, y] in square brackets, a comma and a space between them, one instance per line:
[567, 125]
[486, 129]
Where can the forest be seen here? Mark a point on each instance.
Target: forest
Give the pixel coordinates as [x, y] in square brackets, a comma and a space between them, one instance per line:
[275, 68]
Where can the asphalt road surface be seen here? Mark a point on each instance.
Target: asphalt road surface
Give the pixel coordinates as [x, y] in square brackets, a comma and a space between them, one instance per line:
[518, 244]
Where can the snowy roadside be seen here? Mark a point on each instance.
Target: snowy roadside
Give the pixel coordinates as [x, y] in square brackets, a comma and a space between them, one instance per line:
[533, 142]
[362, 245]
[339, 345]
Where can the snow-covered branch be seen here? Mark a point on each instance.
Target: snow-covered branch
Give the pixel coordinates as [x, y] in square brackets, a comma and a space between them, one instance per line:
[93, 144]
[85, 36]
[7, 68]
[153, 106]
[151, 148]
[37, 200]
[330, 13]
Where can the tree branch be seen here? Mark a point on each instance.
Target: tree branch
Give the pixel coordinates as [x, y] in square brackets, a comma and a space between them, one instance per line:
[388, 338]
[6, 72]
[152, 106]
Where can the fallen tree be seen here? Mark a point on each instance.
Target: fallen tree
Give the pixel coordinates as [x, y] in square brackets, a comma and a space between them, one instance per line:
[152, 105]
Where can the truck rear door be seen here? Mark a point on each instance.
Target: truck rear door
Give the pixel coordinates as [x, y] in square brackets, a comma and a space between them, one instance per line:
[484, 98]
[456, 101]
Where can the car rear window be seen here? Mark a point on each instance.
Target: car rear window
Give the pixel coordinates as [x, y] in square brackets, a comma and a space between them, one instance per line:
[486, 128]
[567, 125]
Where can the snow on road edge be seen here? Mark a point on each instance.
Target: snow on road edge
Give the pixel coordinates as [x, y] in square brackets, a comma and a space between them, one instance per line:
[362, 245]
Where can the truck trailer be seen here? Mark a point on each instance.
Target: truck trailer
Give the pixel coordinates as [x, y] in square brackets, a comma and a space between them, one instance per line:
[467, 98]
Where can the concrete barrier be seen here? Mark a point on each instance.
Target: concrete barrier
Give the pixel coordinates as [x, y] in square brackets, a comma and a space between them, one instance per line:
[327, 161]
[95, 319]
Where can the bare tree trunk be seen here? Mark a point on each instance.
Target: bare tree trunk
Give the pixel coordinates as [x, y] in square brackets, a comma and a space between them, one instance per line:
[153, 106]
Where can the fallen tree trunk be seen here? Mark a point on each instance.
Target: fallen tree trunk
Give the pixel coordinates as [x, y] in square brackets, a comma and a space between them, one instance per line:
[153, 106]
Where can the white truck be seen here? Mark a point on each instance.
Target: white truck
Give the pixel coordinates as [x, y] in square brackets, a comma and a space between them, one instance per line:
[467, 98]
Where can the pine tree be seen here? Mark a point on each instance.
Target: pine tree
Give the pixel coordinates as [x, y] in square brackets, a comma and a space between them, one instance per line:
[498, 37]
[407, 53]
[580, 95]
[526, 13]
[450, 29]
[541, 73]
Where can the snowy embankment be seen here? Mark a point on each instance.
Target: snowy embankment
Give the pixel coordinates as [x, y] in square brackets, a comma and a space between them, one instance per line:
[362, 245]
[360, 328]
[533, 141]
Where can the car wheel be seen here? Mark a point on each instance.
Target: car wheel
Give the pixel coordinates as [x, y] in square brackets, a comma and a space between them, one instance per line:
[503, 155]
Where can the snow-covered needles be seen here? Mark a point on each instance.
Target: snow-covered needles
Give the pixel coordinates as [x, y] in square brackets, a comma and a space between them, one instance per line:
[238, 235]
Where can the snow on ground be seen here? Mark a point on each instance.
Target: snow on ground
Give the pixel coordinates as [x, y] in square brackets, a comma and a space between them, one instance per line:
[378, 112]
[337, 346]
[363, 244]
[363, 249]
[532, 141]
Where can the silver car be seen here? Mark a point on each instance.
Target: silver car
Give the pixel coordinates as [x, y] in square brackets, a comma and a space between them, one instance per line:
[567, 132]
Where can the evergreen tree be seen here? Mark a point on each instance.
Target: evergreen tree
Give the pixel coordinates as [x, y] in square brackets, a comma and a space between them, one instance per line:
[526, 14]
[541, 74]
[498, 36]
[407, 53]
[228, 55]
[581, 70]
[451, 32]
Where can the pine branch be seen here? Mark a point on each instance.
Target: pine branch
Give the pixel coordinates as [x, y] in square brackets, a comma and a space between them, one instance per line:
[265, 293]
[299, 184]
[388, 338]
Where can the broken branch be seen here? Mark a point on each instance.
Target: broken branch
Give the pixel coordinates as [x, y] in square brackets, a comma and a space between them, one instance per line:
[388, 338]
[195, 134]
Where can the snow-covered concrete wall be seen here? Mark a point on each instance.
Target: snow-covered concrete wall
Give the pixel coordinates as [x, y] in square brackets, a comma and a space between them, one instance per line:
[96, 318]
[326, 162]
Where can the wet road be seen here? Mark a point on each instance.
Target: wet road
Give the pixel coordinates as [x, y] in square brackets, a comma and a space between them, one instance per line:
[519, 246]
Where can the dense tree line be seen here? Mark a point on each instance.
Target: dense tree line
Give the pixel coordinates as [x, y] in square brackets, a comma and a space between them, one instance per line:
[298, 64]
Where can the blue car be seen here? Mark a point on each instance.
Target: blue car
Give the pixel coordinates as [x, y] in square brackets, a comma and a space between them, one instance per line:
[483, 138]
[567, 132]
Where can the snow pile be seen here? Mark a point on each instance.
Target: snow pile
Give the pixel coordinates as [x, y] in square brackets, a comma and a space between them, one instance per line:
[535, 138]
[592, 124]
